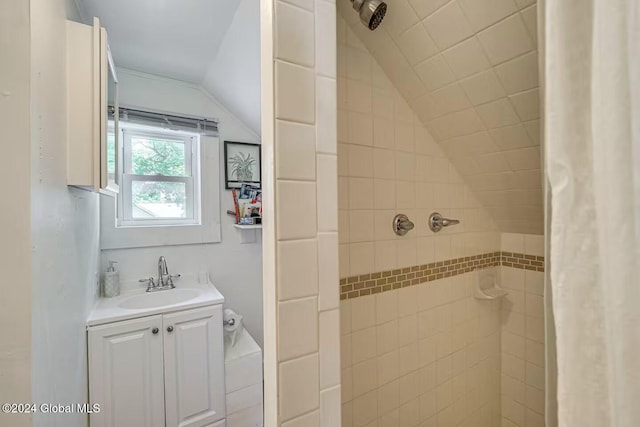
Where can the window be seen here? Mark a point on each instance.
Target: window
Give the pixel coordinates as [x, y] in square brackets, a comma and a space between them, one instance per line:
[160, 183]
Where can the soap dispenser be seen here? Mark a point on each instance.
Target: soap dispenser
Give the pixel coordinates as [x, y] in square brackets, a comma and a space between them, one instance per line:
[111, 285]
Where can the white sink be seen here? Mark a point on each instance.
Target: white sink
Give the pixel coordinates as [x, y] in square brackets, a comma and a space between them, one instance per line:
[159, 298]
[134, 302]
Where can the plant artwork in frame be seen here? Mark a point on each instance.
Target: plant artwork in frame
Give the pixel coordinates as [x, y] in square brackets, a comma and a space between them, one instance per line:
[242, 164]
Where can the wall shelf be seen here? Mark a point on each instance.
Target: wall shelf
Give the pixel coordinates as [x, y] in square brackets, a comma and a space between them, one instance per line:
[247, 227]
[248, 233]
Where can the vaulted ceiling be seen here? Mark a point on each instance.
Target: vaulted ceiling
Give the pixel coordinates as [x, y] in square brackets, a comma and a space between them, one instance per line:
[212, 43]
[469, 69]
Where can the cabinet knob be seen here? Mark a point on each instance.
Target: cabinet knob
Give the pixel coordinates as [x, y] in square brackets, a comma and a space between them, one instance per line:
[155, 330]
[169, 328]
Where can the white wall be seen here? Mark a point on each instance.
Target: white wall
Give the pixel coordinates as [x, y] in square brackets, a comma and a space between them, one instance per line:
[236, 269]
[15, 252]
[234, 75]
[64, 230]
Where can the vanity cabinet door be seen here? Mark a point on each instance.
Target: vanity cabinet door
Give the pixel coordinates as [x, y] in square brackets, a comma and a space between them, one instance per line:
[194, 367]
[126, 373]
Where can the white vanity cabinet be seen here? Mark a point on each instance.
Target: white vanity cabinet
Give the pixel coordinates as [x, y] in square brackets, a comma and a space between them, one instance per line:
[92, 99]
[161, 370]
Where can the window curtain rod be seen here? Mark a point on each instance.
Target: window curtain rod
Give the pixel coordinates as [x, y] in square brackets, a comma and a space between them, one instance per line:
[207, 127]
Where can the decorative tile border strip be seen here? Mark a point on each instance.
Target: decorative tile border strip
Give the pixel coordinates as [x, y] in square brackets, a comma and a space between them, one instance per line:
[374, 283]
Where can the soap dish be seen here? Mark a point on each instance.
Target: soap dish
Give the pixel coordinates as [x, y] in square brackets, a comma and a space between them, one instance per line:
[490, 293]
[486, 286]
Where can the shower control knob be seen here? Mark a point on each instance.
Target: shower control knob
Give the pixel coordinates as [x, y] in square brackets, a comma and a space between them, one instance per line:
[155, 330]
[402, 225]
[169, 328]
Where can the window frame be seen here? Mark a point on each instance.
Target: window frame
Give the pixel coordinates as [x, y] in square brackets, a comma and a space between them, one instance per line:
[192, 181]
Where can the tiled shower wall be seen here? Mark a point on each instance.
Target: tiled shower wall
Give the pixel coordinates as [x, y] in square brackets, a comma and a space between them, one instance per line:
[523, 378]
[426, 352]
[425, 355]
[306, 222]
[388, 164]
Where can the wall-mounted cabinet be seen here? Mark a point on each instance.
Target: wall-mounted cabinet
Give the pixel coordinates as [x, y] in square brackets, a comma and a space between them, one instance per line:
[92, 99]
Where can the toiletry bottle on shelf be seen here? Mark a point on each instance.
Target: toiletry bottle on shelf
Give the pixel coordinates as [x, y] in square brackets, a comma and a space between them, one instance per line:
[111, 285]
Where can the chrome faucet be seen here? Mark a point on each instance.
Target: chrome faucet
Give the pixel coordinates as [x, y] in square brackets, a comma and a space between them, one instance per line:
[164, 281]
[164, 278]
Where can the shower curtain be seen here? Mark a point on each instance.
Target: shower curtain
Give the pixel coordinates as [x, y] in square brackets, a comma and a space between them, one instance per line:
[591, 61]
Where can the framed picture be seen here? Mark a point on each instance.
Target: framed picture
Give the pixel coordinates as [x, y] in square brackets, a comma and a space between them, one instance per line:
[242, 164]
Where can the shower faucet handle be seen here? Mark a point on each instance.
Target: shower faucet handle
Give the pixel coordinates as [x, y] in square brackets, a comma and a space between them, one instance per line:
[437, 222]
[402, 225]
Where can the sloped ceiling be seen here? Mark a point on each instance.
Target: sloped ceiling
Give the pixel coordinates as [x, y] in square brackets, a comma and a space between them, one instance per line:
[211, 43]
[176, 39]
[469, 70]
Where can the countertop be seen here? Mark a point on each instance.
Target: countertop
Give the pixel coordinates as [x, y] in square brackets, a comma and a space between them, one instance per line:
[107, 310]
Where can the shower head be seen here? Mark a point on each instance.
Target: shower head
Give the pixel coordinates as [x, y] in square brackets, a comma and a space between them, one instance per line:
[371, 12]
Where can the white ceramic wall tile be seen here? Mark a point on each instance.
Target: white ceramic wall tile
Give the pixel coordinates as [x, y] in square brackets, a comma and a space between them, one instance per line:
[530, 17]
[498, 113]
[519, 74]
[360, 193]
[328, 295]
[416, 44]
[363, 346]
[511, 137]
[360, 128]
[524, 158]
[327, 188]
[296, 259]
[308, 420]
[402, 19]
[299, 389]
[295, 34]
[385, 255]
[425, 8]
[450, 99]
[363, 313]
[361, 226]
[448, 25]
[295, 93]
[359, 96]
[360, 161]
[326, 115]
[329, 342]
[483, 13]
[297, 328]
[361, 258]
[483, 87]
[296, 151]
[506, 39]
[466, 58]
[527, 104]
[325, 18]
[330, 414]
[435, 72]
[524, 3]
[290, 223]
[358, 65]
[305, 4]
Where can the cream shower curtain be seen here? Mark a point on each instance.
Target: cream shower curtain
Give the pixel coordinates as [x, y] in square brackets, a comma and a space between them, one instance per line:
[591, 57]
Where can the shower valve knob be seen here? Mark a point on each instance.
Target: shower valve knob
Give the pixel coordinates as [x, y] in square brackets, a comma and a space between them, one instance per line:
[402, 225]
